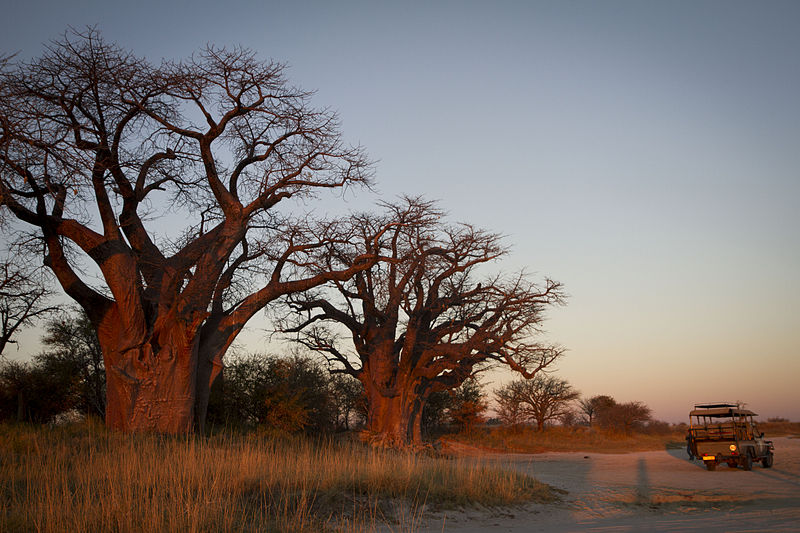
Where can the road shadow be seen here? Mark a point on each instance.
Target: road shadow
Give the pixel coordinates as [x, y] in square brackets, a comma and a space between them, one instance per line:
[777, 474]
[643, 489]
[681, 455]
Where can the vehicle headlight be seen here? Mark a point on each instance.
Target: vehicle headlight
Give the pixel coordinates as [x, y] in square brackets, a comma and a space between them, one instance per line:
[733, 447]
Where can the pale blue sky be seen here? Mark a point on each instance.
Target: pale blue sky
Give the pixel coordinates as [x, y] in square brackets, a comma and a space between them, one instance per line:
[647, 154]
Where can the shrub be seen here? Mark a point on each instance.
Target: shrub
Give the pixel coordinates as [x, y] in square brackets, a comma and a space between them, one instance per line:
[35, 392]
[67, 375]
[288, 394]
[467, 405]
[658, 427]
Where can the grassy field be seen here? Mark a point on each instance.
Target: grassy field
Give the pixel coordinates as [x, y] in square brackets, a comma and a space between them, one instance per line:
[559, 439]
[83, 478]
[780, 429]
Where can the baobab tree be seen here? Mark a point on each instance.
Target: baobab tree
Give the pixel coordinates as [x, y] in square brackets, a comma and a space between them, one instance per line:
[421, 319]
[165, 182]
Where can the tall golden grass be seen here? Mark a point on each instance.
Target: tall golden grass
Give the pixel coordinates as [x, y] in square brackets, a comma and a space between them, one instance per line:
[83, 478]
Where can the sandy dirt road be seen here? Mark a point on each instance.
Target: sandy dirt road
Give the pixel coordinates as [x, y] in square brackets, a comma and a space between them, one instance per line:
[645, 491]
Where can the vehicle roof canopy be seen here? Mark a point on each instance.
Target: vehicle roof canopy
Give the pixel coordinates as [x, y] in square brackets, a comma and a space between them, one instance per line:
[721, 411]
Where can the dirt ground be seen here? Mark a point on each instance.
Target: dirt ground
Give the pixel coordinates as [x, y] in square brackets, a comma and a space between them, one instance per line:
[643, 491]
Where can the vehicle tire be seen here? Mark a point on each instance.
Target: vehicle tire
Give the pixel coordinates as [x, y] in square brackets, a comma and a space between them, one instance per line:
[747, 461]
[732, 464]
[766, 462]
[711, 465]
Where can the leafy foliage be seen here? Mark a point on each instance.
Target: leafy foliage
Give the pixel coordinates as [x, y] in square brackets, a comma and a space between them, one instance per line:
[287, 394]
[348, 400]
[467, 405]
[35, 392]
[71, 344]
[67, 375]
[605, 412]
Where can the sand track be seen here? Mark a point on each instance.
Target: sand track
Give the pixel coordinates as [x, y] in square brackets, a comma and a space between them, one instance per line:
[643, 491]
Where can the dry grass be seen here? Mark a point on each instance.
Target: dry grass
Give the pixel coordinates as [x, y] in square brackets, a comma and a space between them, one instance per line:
[559, 439]
[780, 429]
[83, 478]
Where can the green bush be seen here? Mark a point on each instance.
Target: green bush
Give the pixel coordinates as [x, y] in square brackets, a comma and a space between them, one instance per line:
[292, 394]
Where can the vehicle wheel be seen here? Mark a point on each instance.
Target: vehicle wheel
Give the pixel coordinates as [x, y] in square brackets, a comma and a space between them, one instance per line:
[732, 464]
[711, 465]
[747, 461]
[766, 462]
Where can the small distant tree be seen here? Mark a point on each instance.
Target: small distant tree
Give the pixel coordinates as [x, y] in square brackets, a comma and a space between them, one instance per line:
[623, 417]
[590, 406]
[509, 406]
[541, 399]
[659, 427]
[633, 416]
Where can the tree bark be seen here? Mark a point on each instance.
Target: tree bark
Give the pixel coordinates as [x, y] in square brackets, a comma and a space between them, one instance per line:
[395, 419]
[151, 386]
[214, 342]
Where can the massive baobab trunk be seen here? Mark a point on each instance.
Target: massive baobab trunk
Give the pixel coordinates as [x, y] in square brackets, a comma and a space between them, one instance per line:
[150, 375]
[149, 391]
[394, 417]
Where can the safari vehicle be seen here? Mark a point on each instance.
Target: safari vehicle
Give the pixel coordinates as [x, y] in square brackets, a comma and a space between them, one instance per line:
[726, 433]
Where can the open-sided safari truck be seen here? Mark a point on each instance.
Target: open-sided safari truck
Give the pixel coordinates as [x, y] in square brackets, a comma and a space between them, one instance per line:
[725, 433]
